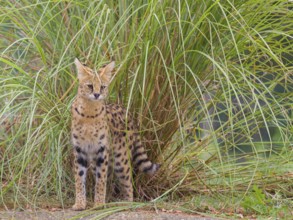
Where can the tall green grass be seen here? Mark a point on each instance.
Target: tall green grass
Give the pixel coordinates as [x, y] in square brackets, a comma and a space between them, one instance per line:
[209, 81]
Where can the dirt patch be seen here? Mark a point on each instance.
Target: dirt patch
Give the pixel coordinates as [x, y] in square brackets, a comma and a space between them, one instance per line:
[67, 214]
[155, 216]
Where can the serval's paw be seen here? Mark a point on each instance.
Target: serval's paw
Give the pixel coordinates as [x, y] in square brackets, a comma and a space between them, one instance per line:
[79, 206]
[99, 204]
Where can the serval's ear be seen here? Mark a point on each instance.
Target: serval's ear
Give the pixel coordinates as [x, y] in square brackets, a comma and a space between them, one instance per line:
[81, 71]
[106, 73]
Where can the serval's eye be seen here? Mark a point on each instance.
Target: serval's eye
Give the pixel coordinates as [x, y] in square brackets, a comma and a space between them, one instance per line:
[103, 87]
[90, 86]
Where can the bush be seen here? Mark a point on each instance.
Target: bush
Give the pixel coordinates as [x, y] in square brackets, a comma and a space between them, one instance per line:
[209, 81]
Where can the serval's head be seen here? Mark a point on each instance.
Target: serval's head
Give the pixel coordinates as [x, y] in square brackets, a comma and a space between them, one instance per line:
[93, 85]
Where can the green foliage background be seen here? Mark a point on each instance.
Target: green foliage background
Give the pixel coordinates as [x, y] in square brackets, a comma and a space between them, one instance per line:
[209, 81]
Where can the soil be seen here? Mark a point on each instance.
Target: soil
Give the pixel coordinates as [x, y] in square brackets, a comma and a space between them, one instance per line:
[130, 215]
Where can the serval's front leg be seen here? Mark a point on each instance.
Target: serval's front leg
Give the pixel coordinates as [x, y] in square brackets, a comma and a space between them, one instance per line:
[100, 169]
[81, 165]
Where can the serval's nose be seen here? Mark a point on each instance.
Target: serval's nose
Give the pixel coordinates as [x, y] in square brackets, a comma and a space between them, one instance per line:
[97, 95]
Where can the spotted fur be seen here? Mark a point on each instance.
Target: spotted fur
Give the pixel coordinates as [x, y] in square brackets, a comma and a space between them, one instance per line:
[104, 138]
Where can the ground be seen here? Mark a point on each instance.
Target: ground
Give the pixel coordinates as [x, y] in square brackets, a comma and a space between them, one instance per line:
[68, 214]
